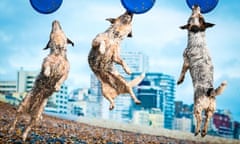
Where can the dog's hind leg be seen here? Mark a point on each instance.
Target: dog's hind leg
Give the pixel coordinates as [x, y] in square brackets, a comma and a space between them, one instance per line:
[109, 93]
[34, 119]
[118, 60]
[185, 67]
[208, 115]
[198, 116]
[133, 83]
[19, 111]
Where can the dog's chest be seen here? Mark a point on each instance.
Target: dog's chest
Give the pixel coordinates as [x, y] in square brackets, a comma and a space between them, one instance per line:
[59, 65]
[196, 51]
[200, 63]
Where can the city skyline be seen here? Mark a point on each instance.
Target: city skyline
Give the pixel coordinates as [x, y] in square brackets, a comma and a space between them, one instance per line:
[24, 32]
[156, 90]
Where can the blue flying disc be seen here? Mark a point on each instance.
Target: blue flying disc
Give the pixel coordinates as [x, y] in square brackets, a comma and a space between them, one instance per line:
[46, 6]
[138, 6]
[205, 5]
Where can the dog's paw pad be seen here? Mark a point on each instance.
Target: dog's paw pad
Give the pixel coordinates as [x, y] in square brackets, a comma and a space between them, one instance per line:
[111, 107]
[137, 102]
[224, 83]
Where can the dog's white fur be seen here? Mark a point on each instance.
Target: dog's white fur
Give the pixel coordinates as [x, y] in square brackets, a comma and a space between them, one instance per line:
[198, 61]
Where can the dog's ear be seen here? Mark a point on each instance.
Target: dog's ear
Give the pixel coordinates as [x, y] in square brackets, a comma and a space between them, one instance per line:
[70, 42]
[207, 25]
[47, 46]
[184, 26]
[111, 20]
[130, 34]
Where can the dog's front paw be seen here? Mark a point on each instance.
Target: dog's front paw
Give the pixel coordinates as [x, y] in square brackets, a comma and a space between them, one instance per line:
[102, 47]
[47, 71]
[137, 101]
[57, 87]
[196, 133]
[111, 107]
[204, 133]
[128, 71]
[179, 81]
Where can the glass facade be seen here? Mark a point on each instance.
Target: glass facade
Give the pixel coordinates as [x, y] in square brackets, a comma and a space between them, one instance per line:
[157, 90]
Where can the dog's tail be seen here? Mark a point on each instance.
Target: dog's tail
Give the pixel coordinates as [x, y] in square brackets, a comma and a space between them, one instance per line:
[219, 90]
[137, 80]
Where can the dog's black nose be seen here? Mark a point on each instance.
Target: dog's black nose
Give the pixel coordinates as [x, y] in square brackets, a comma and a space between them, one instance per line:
[194, 29]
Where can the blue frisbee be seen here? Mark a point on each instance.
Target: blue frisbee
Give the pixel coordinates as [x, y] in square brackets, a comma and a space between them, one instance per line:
[46, 6]
[138, 6]
[205, 5]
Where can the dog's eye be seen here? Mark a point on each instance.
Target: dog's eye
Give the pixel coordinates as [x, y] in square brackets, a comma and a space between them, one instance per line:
[116, 34]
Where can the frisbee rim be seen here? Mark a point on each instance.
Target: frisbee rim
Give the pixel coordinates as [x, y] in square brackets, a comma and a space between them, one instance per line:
[129, 9]
[190, 4]
[44, 11]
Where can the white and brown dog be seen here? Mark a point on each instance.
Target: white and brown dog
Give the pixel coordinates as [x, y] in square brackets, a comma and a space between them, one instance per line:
[198, 61]
[105, 52]
[54, 72]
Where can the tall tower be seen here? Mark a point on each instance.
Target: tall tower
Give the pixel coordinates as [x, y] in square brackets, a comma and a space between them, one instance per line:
[157, 90]
[137, 62]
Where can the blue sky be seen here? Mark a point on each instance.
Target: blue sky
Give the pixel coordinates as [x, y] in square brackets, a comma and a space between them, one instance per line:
[24, 32]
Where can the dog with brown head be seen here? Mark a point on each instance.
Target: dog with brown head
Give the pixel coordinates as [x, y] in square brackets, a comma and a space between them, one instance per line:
[198, 61]
[54, 72]
[105, 52]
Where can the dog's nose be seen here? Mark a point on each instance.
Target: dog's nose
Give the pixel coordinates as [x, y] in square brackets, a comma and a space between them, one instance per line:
[194, 28]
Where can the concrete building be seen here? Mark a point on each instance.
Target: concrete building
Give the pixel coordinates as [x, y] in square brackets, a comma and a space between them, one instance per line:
[184, 113]
[8, 87]
[156, 118]
[25, 80]
[77, 102]
[13, 98]
[236, 131]
[152, 117]
[157, 90]
[183, 124]
[222, 124]
[141, 117]
[58, 102]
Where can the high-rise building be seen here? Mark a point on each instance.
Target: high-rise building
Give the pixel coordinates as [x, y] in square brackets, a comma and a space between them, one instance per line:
[25, 80]
[8, 87]
[95, 98]
[61, 100]
[137, 62]
[157, 90]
